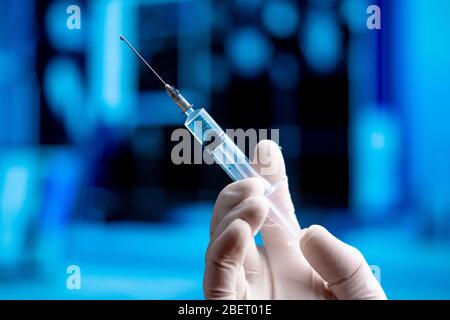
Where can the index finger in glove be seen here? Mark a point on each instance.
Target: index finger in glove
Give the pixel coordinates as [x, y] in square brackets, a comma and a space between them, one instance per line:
[231, 196]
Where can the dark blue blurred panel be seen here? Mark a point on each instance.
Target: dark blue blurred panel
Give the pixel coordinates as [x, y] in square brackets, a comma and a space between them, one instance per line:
[18, 84]
[422, 59]
[64, 172]
[19, 204]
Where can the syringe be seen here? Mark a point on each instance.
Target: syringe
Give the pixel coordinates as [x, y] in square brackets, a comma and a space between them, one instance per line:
[226, 153]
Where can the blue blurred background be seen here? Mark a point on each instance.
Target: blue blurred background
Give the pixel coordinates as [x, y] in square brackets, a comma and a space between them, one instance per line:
[85, 170]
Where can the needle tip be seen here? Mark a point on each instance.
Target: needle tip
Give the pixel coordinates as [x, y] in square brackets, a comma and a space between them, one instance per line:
[140, 57]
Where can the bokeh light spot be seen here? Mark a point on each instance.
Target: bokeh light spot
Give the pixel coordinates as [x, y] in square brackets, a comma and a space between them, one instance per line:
[59, 35]
[249, 51]
[280, 18]
[320, 41]
[377, 140]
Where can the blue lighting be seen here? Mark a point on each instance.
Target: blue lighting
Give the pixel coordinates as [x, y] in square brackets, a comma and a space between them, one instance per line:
[280, 18]
[376, 180]
[19, 199]
[353, 12]
[424, 66]
[61, 186]
[217, 80]
[377, 140]
[10, 70]
[62, 81]
[87, 135]
[59, 35]
[321, 41]
[285, 71]
[250, 52]
[202, 75]
[247, 4]
[14, 189]
[323, 2]
[64, 91]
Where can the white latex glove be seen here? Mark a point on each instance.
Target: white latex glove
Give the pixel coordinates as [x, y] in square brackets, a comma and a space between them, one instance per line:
[318, 267]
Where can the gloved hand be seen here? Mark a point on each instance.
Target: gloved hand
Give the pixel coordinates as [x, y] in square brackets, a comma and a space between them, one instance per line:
[318, 267]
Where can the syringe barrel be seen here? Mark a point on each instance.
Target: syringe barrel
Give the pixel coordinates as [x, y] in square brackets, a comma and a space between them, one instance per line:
[228, 155]
[223, 150]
